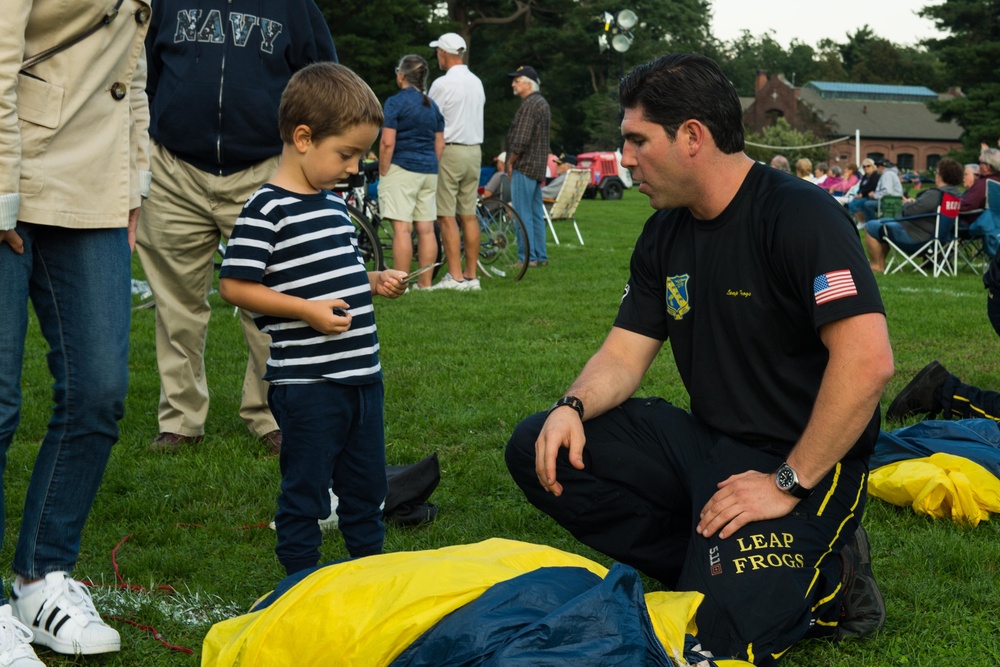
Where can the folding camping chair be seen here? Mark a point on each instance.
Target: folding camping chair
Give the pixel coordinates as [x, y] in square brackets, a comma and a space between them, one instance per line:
[941, 250]
[563, 207]
[890, 206]
[972, 249]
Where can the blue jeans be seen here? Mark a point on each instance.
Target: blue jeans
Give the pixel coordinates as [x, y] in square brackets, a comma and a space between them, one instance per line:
[887, 227]
[329, 431]
[79, 284]
[526, 198]
[867, 206]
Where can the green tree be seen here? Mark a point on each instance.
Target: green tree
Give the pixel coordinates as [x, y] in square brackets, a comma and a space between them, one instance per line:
[741, 59]
[869, 58]
[560, 39]
[970, 50]
[557, 37]
[372, 35]
[786, 141]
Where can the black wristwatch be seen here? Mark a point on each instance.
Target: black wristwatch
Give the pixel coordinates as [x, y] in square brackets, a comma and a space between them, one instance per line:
[571, 401]
[788, 481]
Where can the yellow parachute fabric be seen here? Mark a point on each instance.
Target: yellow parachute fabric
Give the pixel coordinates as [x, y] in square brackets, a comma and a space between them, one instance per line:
[375, 607]
[942, 486]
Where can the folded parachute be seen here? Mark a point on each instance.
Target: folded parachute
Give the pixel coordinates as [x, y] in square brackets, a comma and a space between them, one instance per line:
[498, 602]
[943, 469]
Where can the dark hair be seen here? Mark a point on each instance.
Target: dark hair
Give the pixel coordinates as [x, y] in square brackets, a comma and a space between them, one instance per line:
[683, 86]
[329, 99]
[951, 171]
[414, 70]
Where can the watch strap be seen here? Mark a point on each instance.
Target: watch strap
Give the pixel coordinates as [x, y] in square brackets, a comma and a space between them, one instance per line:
[571, 401]
[795, 489]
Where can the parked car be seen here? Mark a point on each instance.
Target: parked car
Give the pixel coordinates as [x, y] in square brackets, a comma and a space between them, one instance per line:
[607, 175]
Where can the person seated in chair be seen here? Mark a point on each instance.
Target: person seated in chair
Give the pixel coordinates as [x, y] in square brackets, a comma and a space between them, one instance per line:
[974, 220]
[910, 234]
[821, 174]
[888, 184]
[834, 180]
[563, 164]
[844, 193]
[866, 185]
[499, 183]
[974, 199]
[970, 175]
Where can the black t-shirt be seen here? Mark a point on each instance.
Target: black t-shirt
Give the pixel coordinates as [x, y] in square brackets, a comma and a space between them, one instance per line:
[741, 299]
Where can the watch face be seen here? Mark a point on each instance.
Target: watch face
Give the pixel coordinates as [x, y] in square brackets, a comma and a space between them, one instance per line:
[785, 477]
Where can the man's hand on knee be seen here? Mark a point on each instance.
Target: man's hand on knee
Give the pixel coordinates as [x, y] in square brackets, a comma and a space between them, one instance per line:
[742, 499]
[563, 428]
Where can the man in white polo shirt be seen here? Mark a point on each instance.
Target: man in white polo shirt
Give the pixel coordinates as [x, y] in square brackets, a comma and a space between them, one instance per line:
[460, 96]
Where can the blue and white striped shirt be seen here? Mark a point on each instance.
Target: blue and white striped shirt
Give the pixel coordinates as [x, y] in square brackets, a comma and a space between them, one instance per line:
[306, 246]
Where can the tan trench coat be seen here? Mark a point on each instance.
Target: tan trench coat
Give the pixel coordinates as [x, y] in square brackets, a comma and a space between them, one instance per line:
[74, 146]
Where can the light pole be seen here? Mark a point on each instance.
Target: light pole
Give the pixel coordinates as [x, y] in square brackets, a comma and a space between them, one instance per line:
[619, 27]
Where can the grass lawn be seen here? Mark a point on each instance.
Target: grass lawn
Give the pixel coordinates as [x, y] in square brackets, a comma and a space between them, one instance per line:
[461, 369]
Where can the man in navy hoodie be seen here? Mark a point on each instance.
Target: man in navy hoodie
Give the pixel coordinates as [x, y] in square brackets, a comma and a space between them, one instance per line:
[216, 73]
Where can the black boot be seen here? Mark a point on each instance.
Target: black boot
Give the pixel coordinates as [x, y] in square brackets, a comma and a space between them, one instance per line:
[921, 395]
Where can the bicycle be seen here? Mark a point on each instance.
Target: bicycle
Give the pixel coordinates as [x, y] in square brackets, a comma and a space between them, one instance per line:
[499, 225]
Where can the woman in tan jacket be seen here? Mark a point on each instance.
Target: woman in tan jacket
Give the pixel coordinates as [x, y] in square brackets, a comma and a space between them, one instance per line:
[73, 167]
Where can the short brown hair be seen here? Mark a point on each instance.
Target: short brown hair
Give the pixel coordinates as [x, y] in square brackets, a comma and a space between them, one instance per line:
[329, 99]
[951, 171]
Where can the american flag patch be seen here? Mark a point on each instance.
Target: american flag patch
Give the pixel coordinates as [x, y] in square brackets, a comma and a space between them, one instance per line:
[833, 285]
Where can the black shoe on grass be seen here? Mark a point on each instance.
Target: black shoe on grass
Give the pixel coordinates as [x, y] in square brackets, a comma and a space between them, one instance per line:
[920, 395]
[863, 609]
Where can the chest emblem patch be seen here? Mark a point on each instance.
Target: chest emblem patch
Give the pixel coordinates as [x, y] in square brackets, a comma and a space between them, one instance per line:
[677, 296]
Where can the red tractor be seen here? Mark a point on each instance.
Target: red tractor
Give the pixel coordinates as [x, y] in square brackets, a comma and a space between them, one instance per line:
[607, 175]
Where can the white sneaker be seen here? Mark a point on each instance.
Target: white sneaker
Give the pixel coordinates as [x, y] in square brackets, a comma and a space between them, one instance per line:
[470, 285]
[326, 525]
[448, 282]
[15, 642]
[332, 521]
[62, 616]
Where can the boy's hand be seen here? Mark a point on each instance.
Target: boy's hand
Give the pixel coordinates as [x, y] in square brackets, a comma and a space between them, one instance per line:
[390, 283]
[321, 316]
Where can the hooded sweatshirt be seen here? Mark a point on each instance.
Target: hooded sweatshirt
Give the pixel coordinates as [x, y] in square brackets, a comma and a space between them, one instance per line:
[217, 69]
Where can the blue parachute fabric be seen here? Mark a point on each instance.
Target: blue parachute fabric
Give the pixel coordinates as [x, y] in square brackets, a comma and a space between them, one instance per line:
[550, 616]
[975, 439]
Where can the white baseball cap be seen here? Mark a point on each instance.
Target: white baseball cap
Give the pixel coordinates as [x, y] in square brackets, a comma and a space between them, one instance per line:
[450, 42]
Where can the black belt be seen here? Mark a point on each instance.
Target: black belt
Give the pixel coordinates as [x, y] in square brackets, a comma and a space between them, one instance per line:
[455, 143]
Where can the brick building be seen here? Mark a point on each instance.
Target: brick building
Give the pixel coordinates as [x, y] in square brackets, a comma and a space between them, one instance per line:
[894, 121]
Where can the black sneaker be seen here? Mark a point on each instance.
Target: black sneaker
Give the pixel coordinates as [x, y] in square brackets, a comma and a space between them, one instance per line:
[863, 607]
[919, 396]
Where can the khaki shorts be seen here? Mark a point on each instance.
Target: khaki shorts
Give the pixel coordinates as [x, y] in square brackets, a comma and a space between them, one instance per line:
[407, 195]
[458, 180]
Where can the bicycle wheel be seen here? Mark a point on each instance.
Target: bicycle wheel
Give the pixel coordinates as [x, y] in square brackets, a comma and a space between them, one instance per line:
[368, 241]
[383, 232]
[501, 227]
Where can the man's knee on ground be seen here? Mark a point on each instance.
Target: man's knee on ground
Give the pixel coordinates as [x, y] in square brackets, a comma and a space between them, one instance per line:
[520, 452]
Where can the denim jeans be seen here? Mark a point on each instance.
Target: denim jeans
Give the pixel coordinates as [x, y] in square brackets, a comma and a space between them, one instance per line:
[867, 206]
[329, 431]
[78, 282]
[888, 229]
[526, 198]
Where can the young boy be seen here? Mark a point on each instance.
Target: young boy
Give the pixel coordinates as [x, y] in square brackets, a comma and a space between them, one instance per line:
[293, 261]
